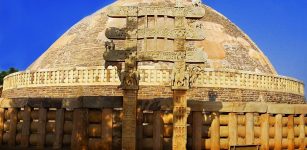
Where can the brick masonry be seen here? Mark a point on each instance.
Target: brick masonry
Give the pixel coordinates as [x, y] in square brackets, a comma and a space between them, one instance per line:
[158, 92]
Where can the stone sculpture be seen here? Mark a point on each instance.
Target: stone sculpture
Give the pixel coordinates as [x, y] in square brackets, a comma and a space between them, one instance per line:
[109, 45]
[196, 3]
[131, 75]
[194, 72]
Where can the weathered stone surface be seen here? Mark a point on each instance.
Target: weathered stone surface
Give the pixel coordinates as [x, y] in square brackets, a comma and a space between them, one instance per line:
[146, 92]
[280, 108]
[300, 109]
[86, 39]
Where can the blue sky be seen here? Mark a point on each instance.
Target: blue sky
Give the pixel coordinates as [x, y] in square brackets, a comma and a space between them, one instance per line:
[279, 27]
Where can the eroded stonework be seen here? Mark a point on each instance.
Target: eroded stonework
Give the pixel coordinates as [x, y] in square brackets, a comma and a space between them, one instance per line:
[146, 93]
[82, 45]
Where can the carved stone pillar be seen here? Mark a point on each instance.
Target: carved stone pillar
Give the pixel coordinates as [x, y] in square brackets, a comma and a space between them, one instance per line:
[129, 120]
[130, 85]
[180, 84]
[180, 112]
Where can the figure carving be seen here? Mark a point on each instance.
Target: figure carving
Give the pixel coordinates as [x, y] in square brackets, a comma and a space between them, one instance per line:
[180, 76]
[110, 46]
[194, 73]
[199, 25]
[131, 76]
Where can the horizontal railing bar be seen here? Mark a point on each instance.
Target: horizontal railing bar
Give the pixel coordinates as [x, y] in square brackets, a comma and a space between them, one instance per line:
[153, 77]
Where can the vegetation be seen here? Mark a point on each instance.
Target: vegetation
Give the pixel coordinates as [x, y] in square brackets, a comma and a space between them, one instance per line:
[5, 73]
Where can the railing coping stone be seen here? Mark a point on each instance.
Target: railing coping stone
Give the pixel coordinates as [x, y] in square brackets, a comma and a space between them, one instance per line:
[116, 102]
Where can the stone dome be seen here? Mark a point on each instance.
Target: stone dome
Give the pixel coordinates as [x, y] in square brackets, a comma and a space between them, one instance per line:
[225, 45]
[221, 59]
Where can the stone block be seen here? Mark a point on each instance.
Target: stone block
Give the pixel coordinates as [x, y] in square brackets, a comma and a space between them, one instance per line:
[256, 107]
[300, 109]
[280, 109]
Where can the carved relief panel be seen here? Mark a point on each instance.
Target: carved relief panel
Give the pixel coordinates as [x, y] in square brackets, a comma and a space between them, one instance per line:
[156, 25]
[157, 34]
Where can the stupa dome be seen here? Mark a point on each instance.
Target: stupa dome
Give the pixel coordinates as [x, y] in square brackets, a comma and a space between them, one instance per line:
[225, 45]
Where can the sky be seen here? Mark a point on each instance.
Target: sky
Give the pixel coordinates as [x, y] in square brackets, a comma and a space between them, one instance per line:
[278, 27]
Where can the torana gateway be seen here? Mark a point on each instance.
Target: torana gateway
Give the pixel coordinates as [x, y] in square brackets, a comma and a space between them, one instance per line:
[153, 74]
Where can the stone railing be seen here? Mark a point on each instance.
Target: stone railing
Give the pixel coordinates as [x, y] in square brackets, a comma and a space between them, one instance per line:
[249, 80]
[82, 76]
[162, 77]
[86, 124]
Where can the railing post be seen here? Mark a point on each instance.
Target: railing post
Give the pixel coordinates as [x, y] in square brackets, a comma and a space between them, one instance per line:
[1, 124]
[157, 130]
[197, 130]
[79, 136]
[233, 129]
[106, 128]
[265, 131]
[249, 124]
[290, 132]
[139, 128]
[42, 127]
[59, 128]
[215, 131]
[25, 132]
[278, 132]
[302, 132]
[13, 126]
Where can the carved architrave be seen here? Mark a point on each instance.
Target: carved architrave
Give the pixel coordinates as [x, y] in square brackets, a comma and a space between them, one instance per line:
[153, 10]
[190, 56]
[124, 11]
[186, 33]
[194, 56]
[161, 56]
